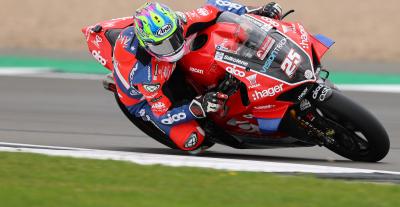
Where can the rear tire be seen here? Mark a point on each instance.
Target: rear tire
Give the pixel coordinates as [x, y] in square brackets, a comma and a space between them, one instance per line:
[362, 136]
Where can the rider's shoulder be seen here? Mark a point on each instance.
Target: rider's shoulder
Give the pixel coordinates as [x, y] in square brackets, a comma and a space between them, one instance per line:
[129, 32]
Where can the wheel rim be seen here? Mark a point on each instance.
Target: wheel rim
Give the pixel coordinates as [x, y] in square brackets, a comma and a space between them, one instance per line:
[348, 138]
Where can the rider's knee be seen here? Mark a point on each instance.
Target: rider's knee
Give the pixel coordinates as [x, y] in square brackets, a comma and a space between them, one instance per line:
[188, 136]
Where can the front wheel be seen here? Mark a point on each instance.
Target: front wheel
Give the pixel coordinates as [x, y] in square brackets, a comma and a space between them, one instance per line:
[358, 135]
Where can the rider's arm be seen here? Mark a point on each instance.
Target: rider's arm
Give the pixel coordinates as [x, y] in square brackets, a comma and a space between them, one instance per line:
[228, 5]
[150, 82]
[271, 10]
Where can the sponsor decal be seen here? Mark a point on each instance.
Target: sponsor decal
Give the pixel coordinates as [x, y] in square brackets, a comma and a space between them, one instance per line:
[151, 87]
[159, 106]
[154, 100]
[245, 126]
[174, 118]
[265, 48]
[230, 5]
[96, 54]
[191, 141]
[142, 112]
[164, 30]
[132, 74]
[268, 92]
[291, 63]
[191, 15]
[248, 116]
[236, 61]
[264, 26]
[97, 41]
[195, 70]
[309, 74]
[253, 81]
[151, 97]
[303, 94]
[203, 12]
[264, 107]
[236, 72]
[321, 92]
[222, 45]
[270, 21]
[148, 73]
[273, 55]
[304, 37]
[304, 105]
[219, 56]
[134, 92]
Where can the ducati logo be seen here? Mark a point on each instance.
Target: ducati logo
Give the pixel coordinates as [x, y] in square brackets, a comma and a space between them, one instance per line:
[151, 88]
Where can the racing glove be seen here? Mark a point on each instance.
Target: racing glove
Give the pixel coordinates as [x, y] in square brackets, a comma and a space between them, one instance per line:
[209, 103]
[272, 10]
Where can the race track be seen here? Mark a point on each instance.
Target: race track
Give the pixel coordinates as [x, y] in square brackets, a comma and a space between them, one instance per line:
[79, 113]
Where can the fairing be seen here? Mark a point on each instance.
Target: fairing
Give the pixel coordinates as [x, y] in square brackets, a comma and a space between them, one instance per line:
[246, 48]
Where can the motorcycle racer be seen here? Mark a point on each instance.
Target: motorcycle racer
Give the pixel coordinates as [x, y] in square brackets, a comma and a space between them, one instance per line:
[145, 57]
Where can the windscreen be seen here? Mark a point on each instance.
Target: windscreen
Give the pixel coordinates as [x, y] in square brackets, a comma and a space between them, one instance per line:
[268, 51]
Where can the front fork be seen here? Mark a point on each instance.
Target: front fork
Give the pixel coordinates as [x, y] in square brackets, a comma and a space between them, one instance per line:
[309, 120]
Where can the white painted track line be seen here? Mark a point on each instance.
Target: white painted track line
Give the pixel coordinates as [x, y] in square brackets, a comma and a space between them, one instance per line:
[184, 161]
[377, 88]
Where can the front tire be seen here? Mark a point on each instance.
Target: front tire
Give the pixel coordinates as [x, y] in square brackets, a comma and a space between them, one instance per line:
[359, 136]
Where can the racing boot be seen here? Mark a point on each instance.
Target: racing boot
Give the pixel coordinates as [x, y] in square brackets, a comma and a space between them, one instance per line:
[109, 83]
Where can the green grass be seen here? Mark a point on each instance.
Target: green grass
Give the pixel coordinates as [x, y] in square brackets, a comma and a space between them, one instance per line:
[37, 180]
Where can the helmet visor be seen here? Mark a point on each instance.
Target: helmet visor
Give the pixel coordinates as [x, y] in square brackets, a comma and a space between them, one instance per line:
[168, 47]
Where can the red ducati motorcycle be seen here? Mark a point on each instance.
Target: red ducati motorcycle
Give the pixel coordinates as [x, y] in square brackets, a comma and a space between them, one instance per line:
[279, 95]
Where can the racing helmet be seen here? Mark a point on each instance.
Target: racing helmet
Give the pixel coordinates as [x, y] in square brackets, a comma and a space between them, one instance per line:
[160, 31]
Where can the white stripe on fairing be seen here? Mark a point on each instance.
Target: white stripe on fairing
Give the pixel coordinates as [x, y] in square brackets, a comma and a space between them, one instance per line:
[183, 161]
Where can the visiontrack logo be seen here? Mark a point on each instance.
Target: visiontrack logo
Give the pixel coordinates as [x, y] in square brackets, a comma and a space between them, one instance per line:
[273, 55]
[268, 92]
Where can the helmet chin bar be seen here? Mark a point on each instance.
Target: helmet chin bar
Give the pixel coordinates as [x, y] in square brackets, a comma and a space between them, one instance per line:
[174, 58]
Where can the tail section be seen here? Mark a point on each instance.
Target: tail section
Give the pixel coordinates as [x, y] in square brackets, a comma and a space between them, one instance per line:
[101, 38]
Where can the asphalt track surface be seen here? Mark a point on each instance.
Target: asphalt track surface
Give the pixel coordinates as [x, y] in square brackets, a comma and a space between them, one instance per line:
[80, 113]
